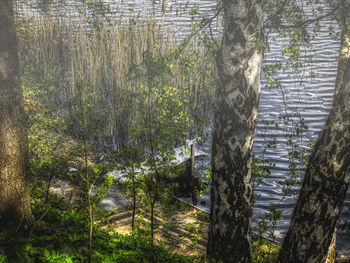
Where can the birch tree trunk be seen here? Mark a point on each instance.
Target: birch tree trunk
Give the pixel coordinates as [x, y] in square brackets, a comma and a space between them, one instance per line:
[239, 62]
[328, 174]
[14, 193]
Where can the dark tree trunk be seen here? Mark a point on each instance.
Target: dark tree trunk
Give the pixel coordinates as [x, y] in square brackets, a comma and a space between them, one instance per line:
[152, 219]
[133, 204]
[193, 179]
[327, 176]
[14, 193]
[239, 63]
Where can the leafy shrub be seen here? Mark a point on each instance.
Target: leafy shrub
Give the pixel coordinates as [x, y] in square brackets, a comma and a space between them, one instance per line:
[60, 235]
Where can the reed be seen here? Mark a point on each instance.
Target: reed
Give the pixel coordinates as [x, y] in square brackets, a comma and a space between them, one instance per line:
[57, 52]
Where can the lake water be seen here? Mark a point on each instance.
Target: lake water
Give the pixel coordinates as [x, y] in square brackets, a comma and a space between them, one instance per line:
[299, 95]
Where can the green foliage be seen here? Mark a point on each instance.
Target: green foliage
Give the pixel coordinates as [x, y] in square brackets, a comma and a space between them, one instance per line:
[264, 251]
[261, 169]
[163, 98]
[49, 147]
[3, 258]
[268, 224]
[196, 232]
[168, 120]
[289, 23]
[52, 62]
[60, 235]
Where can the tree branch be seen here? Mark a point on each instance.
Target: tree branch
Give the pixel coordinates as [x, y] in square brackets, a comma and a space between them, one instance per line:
[306, 22]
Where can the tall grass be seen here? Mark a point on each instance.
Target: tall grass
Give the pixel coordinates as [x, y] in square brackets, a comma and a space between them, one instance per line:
[57, 53]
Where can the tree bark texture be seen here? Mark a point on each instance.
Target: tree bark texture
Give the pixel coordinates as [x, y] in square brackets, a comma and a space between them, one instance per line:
[239, 62]
[14, 194]
[328, 173]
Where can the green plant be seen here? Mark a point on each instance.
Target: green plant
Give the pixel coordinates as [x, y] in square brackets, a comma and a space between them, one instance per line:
[3, 258]
[60, 236]
[54, 61]
[196, 232]
[167, 121]
[264, 251]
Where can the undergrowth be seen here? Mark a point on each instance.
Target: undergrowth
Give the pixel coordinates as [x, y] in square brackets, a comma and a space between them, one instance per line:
[59, 234]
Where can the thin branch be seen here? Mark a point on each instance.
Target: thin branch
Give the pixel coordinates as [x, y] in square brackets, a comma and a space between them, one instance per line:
[309, 21]
[37, 222]
[187, 40]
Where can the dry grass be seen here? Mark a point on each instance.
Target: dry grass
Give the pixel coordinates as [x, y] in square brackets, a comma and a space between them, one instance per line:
[56, 53]
[185, 230]
[182, 231]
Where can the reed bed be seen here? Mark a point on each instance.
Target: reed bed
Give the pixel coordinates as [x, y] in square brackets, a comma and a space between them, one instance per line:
[60, 54]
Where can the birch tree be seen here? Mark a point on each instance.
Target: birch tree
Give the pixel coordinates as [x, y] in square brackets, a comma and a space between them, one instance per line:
[239, 62]
[327, 176]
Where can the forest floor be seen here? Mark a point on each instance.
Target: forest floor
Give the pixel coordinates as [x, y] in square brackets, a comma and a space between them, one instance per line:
[182, 227]
[178, 225]
[184, 232]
